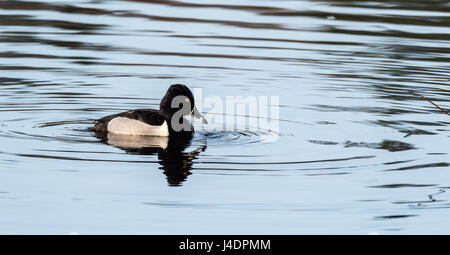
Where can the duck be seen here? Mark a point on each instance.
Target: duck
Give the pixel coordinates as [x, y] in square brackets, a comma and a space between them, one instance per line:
[168, 121]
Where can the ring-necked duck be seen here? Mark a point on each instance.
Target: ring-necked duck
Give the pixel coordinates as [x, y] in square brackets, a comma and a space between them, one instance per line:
[167, 121]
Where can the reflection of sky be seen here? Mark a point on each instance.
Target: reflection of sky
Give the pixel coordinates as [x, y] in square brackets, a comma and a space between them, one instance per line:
[345, 89]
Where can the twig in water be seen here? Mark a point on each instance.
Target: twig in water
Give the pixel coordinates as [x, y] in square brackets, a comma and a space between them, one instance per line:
[437, 106]
[431, 195]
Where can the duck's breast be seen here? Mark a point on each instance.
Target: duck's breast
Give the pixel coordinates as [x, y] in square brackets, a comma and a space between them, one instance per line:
[127, 126]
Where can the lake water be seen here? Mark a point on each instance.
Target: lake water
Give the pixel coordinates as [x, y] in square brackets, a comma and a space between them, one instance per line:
[358, 149]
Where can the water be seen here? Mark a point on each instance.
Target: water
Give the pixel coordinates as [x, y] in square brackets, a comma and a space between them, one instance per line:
[359, 151]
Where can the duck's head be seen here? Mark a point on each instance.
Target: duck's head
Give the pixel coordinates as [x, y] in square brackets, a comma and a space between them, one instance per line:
[179, 100]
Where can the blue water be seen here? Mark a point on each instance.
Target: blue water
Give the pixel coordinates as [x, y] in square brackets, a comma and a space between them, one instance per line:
[358, 150]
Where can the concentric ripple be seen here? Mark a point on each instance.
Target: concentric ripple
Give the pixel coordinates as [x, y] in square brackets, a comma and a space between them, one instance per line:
[363, 139]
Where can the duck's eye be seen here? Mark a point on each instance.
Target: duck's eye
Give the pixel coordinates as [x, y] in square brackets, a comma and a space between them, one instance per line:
[187, 100]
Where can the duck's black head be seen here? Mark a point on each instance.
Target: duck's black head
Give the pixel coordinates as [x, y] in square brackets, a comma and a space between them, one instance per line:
[179, 100]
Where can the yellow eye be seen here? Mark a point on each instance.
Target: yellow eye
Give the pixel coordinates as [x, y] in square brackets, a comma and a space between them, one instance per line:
[187, 100]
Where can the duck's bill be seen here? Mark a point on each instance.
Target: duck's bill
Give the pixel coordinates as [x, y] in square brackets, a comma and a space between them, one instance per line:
[198, 116]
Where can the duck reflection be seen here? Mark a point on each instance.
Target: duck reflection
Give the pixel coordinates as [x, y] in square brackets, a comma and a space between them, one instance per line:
[174, 161]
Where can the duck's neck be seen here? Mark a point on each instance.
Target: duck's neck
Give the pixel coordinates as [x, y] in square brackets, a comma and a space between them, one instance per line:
[177, 126]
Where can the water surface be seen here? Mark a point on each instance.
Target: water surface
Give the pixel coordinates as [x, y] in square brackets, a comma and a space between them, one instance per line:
[359, 151]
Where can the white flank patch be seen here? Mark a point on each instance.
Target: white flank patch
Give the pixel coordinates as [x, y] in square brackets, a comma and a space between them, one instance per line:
[126, 126]
[136, 142]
